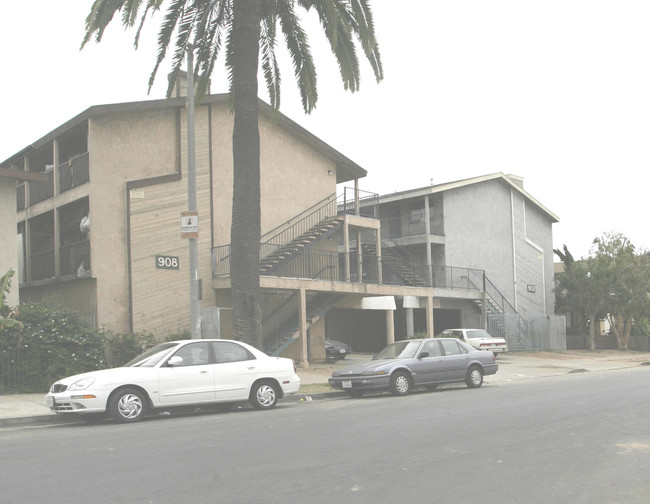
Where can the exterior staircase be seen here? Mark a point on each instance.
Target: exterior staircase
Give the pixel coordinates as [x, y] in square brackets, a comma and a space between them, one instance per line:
[281, 327]
[395, 264]
[282, 253]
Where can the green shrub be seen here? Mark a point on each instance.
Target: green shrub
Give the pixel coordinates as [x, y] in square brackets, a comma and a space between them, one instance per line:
[54, 343]
[121, 348]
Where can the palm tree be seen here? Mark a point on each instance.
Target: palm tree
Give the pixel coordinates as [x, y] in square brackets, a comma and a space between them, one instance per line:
[246, 30]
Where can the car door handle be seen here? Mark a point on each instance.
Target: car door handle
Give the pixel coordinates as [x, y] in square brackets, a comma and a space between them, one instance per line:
[203, 372]
[252, 367]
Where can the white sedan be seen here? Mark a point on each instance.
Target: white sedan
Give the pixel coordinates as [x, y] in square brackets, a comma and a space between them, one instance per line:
[178, 373]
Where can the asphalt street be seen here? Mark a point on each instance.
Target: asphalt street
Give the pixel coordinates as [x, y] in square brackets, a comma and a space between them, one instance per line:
[571, 438]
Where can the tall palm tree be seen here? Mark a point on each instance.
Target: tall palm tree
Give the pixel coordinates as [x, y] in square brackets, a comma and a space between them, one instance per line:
[246, 30]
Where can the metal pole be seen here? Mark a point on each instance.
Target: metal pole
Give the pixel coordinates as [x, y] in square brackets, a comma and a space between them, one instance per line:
[195, 306]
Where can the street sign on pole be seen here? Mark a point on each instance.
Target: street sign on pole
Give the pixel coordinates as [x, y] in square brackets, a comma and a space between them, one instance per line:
[190, 224]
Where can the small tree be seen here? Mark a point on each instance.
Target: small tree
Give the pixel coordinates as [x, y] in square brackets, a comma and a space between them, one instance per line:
[581, 288]
[7, 314]
[613, 282]
[628, 282]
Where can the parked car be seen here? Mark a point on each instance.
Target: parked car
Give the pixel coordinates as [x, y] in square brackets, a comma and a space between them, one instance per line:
[178, 373]
[478, 338]
[406, 364]
[336, 349]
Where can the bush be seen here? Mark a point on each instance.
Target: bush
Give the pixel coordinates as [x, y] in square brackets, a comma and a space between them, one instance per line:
[54, 343]
[121, 348]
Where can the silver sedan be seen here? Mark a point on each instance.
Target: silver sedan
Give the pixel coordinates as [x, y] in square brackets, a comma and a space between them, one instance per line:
[406, 364]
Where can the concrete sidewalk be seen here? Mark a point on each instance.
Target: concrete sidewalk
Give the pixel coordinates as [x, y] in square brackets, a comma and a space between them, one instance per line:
[22, 409]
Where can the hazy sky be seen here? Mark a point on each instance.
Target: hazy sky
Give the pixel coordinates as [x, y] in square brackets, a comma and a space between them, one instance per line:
[556, 91]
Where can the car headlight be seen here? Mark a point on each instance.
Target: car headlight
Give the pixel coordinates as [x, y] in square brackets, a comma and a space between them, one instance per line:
[82, 384]
[373, 373]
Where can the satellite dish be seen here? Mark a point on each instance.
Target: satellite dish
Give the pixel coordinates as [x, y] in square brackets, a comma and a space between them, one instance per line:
[84, 225]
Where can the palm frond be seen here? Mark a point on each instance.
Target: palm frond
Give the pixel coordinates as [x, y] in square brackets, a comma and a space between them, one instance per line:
[214, 20]
[269, 63]
[101, 13]
[174, 13]
[366, 35]
[298, 46]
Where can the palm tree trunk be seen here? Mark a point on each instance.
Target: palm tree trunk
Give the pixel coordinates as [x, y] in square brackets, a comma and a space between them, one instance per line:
[246, 230]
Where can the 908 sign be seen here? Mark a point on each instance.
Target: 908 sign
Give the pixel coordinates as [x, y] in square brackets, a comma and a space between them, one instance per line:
[167, 262]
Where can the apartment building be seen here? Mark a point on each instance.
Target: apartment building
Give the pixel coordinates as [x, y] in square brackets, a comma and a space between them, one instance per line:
[98, 206]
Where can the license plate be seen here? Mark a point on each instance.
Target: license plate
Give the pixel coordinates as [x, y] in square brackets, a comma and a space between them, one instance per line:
[342, 350]
[346, 383]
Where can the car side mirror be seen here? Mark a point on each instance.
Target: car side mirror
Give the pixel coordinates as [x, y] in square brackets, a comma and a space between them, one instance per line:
[176, 360]
[423, 355]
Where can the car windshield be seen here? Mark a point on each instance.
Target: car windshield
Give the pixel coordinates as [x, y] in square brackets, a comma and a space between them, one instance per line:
[399, 350]
[152, 356]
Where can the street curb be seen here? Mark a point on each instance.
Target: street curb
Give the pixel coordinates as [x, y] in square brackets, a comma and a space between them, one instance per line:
[294, 398]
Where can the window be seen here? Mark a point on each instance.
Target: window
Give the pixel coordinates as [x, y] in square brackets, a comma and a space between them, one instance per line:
[226, 351]
[433, 348]
[194, 354]
[451, 347]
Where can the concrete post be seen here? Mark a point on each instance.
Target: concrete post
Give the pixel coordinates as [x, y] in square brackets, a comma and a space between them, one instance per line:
[410, 331]
[390, 327]
[304, 355]
[430, 333]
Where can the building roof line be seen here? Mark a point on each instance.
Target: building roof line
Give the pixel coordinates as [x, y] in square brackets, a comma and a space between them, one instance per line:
[342, 162]
[433, 189]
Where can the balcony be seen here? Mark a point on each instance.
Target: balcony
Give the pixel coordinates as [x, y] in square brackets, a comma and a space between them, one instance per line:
[74, 258]
[397, 227]
[40, 191]
[73, 173]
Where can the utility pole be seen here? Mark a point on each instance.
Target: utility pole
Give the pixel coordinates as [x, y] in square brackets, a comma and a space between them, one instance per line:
[195, 306]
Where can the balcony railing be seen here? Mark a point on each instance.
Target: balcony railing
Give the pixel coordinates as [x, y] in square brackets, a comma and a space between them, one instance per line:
[42, 264]
[367, 202]
[40, 191]
[74, 255]
[73, 173]
[330, 266]
[396, 227]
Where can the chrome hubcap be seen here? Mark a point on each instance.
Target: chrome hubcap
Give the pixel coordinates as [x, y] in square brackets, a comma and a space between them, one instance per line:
[266, 395]
[402, 384]
[130, 406]
[475, 377]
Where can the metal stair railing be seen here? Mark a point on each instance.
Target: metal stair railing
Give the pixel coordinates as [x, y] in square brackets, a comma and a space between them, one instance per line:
[300, 224]
[280, 326]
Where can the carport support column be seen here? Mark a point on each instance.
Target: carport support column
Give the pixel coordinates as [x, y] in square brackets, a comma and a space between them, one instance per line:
[410, 331]
[304, 356]
[430, 317]
[390, 327]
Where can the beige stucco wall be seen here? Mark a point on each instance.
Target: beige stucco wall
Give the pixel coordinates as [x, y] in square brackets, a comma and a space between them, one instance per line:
[123, 147]
[294, 176]
[8, 251]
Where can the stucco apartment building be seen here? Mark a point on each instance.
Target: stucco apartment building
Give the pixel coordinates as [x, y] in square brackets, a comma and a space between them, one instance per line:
[98, 204]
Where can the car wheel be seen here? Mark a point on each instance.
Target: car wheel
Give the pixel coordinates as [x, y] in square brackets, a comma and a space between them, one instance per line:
[474, 377]
[263, 395]
[400, 383]
[127, 405]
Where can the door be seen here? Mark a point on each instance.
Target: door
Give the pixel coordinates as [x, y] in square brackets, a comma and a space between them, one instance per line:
[456, 359]
[430, 369]
[234, 372]
[190, 380]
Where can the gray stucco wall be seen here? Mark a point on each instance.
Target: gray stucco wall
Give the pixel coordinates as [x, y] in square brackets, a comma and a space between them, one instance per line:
[491, 226]
[478, 232]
